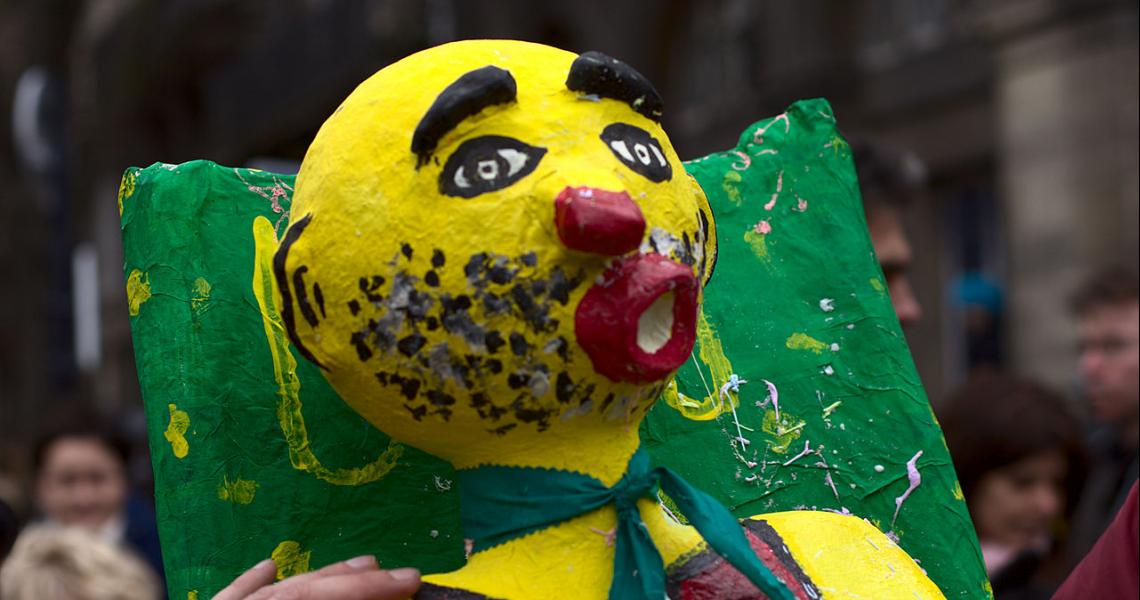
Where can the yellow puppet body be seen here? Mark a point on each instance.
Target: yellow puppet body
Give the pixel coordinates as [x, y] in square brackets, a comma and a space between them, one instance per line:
[438, 266]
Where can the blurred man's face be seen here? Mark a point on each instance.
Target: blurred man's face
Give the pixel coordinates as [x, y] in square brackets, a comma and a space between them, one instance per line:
[893, 250]
[1110, 361]
[82, 483]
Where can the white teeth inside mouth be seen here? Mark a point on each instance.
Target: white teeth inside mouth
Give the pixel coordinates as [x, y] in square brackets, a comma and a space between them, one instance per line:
[655, 325]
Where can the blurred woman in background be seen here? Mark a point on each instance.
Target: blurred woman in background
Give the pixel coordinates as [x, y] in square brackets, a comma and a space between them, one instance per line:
[1019, 457]
[81, 480]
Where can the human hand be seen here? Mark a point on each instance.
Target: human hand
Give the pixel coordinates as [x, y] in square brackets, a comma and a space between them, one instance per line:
[358, 578]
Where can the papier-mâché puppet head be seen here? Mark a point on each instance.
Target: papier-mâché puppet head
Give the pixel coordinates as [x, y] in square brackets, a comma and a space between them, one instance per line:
[493, 244]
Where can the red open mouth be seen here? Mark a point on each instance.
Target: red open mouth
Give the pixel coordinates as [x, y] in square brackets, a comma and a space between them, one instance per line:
[638, 324]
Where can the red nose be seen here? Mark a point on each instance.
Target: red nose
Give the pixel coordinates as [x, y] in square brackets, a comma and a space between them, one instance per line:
[597, 221]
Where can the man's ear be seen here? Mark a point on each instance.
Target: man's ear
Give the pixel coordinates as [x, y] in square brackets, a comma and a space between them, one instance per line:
[707, 234]
[302, 302]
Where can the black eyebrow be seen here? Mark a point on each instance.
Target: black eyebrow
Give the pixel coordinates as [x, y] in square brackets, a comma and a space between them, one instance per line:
[596, 73]
[466, 96]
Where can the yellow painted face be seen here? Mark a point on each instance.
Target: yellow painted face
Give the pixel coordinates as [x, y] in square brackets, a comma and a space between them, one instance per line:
[492, 242]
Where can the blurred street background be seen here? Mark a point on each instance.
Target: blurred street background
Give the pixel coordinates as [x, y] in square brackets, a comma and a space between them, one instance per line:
[1024, 114]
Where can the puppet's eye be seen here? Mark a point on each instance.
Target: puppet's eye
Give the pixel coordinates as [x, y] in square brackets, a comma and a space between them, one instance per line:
[638, 150]
[486, 164]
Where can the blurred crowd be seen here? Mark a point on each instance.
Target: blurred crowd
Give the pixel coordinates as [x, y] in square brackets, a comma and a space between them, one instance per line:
[1043, 476]
[1042, 484]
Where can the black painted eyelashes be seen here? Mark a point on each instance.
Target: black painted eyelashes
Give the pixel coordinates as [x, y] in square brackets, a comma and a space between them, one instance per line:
[638, 150]
[488, 163]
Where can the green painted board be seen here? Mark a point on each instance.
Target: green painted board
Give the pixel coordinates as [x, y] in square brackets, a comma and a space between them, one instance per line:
[244, 469]
[202, 353]
[798, 300]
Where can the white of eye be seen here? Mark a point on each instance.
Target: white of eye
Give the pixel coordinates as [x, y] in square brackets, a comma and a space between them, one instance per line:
[657, 153]
[488, 169]
[460, 180]
[620, 148]
[642, 153]
[515, 160]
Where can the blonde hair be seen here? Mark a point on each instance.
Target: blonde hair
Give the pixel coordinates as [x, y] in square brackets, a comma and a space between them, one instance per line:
[66, 563]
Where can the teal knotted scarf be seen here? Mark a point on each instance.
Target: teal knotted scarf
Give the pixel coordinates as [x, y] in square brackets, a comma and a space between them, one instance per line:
[499, 503]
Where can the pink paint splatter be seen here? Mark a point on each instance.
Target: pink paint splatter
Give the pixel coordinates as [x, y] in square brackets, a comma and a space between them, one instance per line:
[763, 228]
[608, 535]
[831, 483]
[274, 193]
[827, 472]
[758, 136]
[915, 479]
[806, 451]
[744, 162]
[773, 393]
[779, 187]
